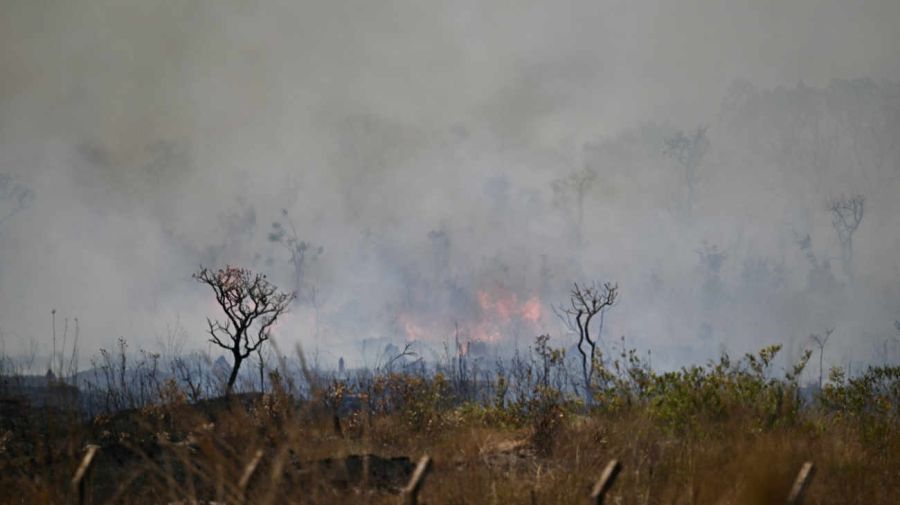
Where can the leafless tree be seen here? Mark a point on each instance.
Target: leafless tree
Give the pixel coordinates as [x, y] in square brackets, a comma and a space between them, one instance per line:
[891, 345]
[821, 340]
[820, 277]
[302, 254]
[392, 356]
[569, 194]
[15, 197]
[867, 120]
[712, 259]
[57, 364]
[587, 304]
[688, 150]
[262, 359]
[846, 215]
[251, 305]
[52, 360]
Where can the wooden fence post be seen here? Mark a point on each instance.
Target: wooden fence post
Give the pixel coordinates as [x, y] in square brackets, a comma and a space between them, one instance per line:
[249, 470]
[82, 471]
[801, 483]
[410, 494]
[607, 478]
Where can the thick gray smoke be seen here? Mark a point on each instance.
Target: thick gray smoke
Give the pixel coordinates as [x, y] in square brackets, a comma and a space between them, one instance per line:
[452, 167]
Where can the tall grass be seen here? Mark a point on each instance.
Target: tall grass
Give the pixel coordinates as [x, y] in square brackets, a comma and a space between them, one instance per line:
[731, 431]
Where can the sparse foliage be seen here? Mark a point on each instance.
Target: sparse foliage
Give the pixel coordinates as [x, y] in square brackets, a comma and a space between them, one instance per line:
[588, 304]
[728, 418]
[251, 305]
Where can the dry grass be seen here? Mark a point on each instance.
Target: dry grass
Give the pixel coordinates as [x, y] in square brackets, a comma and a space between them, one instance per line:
[484, 454]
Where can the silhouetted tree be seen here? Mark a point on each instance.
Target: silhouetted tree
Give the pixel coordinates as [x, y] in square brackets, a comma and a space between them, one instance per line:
[846, 215]
[867, 117]
[15, 197]
[569, 193]
[585, 304]
[302, 253]
[891, 345]
[820, 277]
[688, 150]
[821, 341]
[251, 305]
[712, 259]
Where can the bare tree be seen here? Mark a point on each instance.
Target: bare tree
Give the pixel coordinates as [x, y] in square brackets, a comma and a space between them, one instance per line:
[302, 254]
[569, 193]
[261, 360]
[251, 305]
[866, 118]
[820, 277]
[712, 259]
[821, 341]
[585, 304]
[894, 341]
[846, 215]
[392, 355]
[688, 150]
[15, 197]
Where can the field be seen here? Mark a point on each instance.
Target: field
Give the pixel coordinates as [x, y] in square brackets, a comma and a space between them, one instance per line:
[733, 431]
[364, 252]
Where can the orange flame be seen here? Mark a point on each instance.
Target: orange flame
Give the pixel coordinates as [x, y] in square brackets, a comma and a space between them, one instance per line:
[499, 311]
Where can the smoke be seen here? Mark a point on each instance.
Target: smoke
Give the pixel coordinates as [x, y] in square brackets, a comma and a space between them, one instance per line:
[434, 152]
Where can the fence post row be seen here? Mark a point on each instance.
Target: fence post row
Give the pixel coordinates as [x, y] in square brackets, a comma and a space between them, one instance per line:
[607, 478]
[410, 494]
[801, 483]
[82, 471]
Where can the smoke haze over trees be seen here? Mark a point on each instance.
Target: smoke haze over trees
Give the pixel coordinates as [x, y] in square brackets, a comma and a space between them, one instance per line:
[454, 165]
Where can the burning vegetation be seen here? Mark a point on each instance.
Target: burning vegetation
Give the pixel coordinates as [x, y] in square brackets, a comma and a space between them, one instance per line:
[451, 253]
[496, 314]
[537, 427]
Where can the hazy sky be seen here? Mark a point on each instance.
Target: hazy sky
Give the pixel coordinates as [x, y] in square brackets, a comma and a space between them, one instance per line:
[159, 135]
